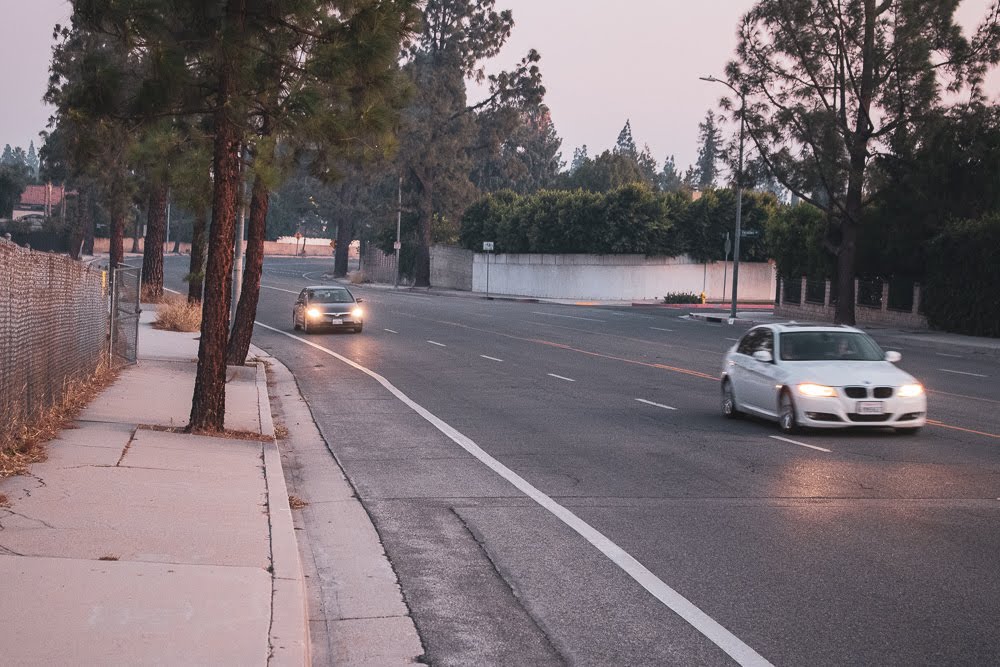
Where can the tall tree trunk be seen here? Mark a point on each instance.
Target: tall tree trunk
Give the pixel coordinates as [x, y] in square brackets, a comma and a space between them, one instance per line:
[425, 218]
[342, 252]
[246, 309]
[208, 405]
[135, 236]
[196, 271]
[87, 208]
[152, 256]
[117, 240]
[76, 216]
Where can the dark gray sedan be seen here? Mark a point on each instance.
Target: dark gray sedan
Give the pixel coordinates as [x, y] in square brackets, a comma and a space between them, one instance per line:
[327, 307]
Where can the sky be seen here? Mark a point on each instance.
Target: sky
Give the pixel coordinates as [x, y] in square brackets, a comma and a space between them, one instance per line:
[639, 62]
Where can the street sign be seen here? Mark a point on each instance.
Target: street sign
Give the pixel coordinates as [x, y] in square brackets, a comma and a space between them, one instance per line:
[487, 246]
[397, 245]
[728, 246]
[298, 235]
[749, 233]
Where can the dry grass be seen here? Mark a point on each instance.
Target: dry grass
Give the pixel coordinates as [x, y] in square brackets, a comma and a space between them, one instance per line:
[22, 441]
[227, 434]
[296, 503]
[174, 313]
[149, 296]
[280, 432]
[3, 501]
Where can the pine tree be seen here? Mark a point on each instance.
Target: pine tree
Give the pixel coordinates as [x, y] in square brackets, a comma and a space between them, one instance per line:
[670, 178]
[33, 160]
[625, 145]
[580, 158]
[8, 156]
[709, 153]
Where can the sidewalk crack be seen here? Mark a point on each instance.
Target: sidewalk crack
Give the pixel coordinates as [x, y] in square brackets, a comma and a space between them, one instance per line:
[127, 445]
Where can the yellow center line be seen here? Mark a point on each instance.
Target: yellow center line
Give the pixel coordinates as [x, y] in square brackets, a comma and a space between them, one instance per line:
[934, 422]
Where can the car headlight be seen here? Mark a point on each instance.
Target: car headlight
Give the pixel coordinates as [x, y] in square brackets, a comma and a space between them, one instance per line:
[314, 312]
[910, 390]
[357, 312]
[816, 390]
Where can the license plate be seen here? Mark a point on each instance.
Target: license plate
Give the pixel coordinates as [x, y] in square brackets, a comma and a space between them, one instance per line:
[870, 408]
[336, 321]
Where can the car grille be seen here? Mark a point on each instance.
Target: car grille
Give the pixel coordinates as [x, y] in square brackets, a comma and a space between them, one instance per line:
[856, 392]
[882, 392]
[855, 417]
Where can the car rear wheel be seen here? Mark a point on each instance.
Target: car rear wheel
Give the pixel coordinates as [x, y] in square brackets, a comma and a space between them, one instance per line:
[786, 413]
[729, 409]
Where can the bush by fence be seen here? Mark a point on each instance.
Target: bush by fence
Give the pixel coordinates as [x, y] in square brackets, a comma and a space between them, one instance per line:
[963, 290]
[53, 331]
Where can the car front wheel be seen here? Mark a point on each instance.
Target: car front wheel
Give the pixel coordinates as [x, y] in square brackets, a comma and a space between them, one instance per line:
[729, 409]
[786, 413]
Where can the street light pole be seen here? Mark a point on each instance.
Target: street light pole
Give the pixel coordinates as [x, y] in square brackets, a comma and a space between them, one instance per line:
[399, 219]
[739, 196]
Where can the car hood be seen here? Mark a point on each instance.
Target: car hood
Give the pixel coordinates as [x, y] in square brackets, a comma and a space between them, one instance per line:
[845, 373]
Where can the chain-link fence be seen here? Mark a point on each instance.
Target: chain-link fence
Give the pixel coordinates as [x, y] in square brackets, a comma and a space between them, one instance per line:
[53, 330]
[126, 286]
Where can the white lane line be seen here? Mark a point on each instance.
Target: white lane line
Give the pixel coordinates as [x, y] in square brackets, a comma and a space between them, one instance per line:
[391, 331]
[680, 605]
[560, 377]
[278, 289]
[658, 405]
[659, 329]
[736, 339]
[569, 317]
[953, 356]
[800, 444]
[975, 375]
[490, 358]
[434, 342]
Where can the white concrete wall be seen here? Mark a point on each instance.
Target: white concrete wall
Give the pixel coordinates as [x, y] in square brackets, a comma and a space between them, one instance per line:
[617, 277]
[451, 267]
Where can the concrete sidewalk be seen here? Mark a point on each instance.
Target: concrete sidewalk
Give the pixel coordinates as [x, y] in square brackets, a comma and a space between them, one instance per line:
[133, 544]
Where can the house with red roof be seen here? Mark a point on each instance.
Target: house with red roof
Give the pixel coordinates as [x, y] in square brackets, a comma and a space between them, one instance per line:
[41, 200]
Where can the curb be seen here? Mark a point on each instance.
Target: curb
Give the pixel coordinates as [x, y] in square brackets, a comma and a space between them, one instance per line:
[289, 630]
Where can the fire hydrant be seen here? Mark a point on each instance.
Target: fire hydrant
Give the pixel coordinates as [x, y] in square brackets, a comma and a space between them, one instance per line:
[704, 298]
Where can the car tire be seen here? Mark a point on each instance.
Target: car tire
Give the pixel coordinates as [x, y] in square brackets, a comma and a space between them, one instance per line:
[910, 430]
[305, 325]
[295, 323]
[358, 328]
[786, 413]
[729, 408]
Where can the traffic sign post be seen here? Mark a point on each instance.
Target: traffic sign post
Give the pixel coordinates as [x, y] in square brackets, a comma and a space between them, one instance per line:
[726, 247]
[488, 249]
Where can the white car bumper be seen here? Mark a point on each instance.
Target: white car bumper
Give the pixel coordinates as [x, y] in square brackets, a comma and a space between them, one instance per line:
[844, 412]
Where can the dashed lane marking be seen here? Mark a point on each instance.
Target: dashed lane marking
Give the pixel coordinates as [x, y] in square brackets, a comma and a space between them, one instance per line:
[434, 342]
[975, 375]
[490, 358]
[680, 605]
[568, 317]
[560, 377]
[658, 405]
[391, 331]
[800, 444]
[659, 329]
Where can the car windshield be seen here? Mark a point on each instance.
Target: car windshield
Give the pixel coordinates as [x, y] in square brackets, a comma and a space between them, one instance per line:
[829, 346]
[330, 296]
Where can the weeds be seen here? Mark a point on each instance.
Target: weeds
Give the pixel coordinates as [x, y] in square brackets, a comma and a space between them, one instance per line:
[22, 439]
[176, 313]
[280, 432]
[296, 503]
[108, 557]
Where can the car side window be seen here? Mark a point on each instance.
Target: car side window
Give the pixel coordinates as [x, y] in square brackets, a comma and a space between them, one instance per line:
[302, 297]
[765, 342]
[748, 344]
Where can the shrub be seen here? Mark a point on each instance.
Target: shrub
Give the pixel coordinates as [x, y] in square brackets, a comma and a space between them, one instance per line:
[681, 297]
[175, 313]
[963, 278]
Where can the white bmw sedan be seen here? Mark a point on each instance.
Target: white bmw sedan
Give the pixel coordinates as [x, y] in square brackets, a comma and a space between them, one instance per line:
[819, 377]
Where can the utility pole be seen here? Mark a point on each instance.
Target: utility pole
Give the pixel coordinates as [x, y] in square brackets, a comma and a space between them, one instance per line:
[167, 239]
[399, 219]
[739, 195]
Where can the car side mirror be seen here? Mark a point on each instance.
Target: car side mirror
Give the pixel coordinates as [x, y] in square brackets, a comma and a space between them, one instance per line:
[764, 356]
[360, 300]
[892, 356]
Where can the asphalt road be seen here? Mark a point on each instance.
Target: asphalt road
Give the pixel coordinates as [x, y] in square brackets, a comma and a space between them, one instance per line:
[710, 538]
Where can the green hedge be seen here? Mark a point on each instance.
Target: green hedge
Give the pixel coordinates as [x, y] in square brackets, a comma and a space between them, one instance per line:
[962, 292]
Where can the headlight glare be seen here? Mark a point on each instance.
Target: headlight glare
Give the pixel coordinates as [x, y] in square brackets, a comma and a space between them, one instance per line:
[816, 390]
[314, 312]
[911, 390]
[357, 312]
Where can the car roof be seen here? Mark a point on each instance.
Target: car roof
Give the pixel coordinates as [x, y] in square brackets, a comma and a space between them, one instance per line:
[325, 287]
[783, 327]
